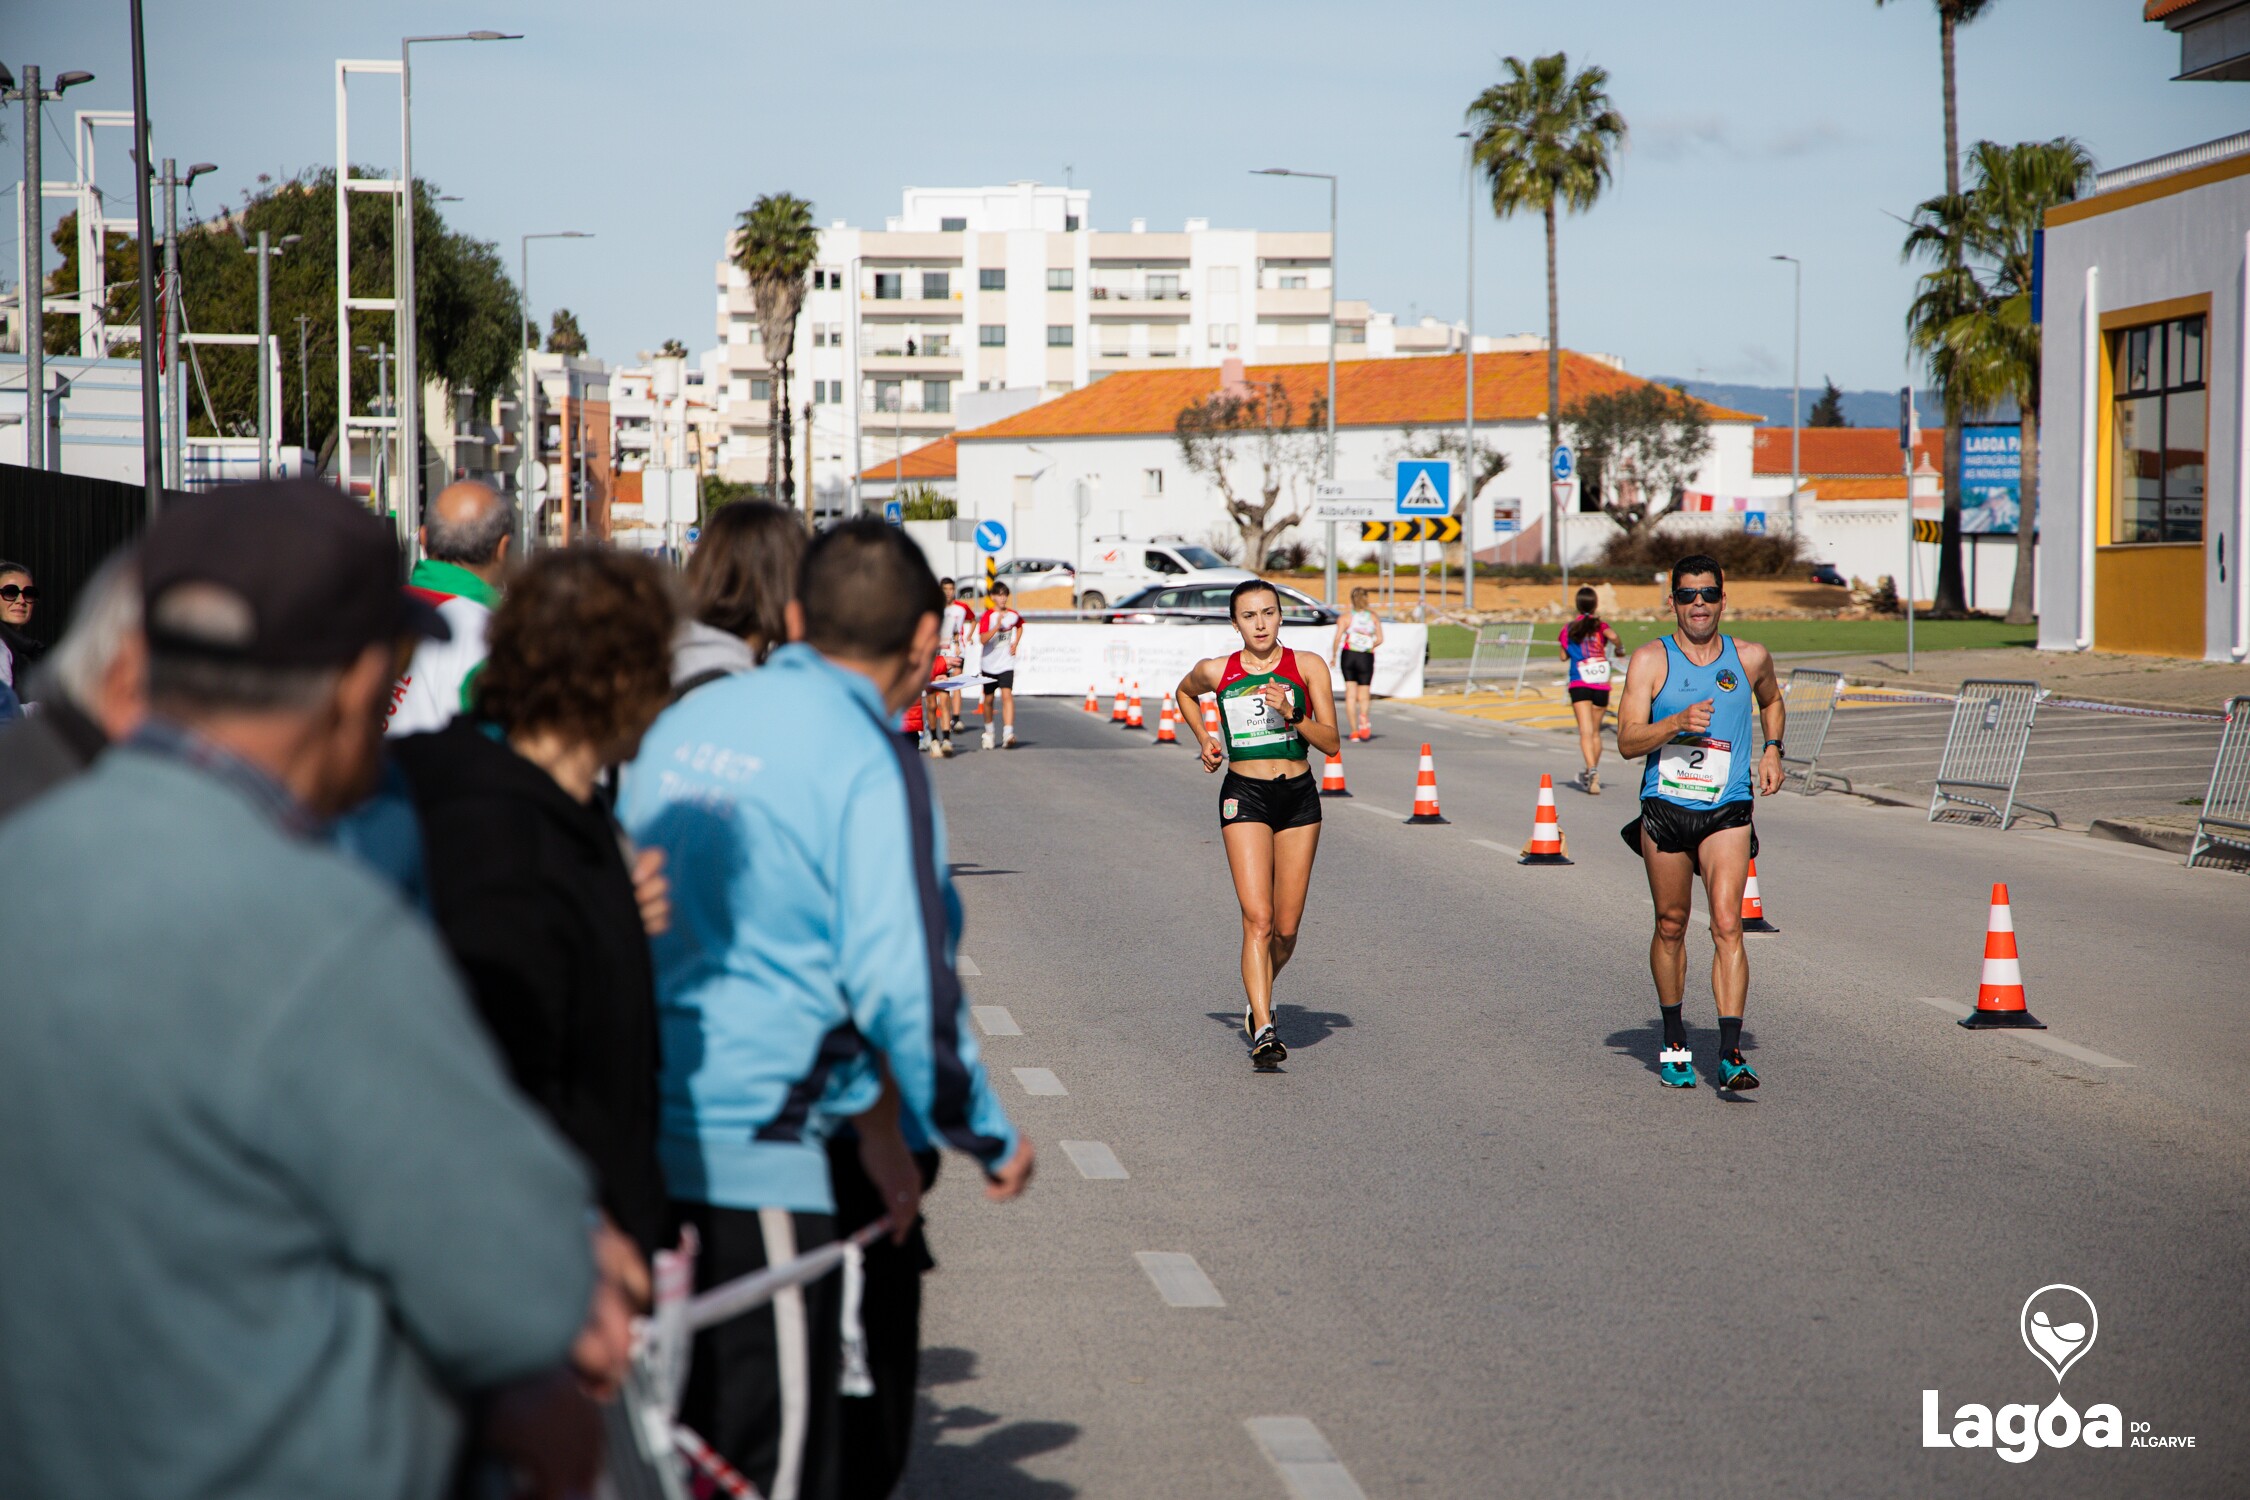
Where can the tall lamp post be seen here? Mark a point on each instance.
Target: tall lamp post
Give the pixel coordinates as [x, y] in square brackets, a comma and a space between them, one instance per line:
[175, 396]
[1796, 352]
[528, 398]
[266, 251]
[409, 427]
[34, 289]
[1469, 399]
[1330, 179]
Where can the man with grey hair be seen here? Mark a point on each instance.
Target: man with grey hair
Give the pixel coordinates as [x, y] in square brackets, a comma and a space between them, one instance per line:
[91, 689]
[464, 553]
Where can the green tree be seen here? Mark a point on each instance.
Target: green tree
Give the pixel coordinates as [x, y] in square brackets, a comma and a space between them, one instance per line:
[1258, 424]
[563, 335]
[1828, 411]
[1950, 598]
[1976, 322]
[1655, 436]
[673, 349]
[775, 246]
[1544, 137]
[922, 502]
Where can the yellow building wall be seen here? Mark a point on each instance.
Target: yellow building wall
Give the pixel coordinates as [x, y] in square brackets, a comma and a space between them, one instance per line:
[2148, 599]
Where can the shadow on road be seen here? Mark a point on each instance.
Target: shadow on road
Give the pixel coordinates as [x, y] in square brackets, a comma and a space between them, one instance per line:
[987, 1468]
[1295, 1025]
[1647, 1040]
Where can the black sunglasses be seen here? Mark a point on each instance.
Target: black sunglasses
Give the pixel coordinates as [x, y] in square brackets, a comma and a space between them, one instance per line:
[1689, 596]
[11, 592]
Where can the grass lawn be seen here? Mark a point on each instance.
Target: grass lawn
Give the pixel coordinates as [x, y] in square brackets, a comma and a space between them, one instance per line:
[1837, 637]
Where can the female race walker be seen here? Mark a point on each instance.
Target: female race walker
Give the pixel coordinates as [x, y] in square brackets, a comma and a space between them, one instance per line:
[1273, 702]
[1357, 636]
[1586, 644]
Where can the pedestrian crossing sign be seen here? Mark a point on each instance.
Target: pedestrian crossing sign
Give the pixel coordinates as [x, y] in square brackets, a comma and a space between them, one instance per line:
[1425, 487]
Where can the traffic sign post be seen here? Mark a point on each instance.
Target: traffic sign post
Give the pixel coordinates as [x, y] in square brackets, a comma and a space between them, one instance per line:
[1507, 515]
[894, 512]
[1564, 475]
[1423, 529]
[1424, 487]
[991, 536]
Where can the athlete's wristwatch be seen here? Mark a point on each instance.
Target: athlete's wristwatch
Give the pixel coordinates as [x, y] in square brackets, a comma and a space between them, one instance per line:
[1771, 745]
[1297, 716]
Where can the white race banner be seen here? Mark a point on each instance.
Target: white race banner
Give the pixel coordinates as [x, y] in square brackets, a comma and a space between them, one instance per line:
[1062, 658]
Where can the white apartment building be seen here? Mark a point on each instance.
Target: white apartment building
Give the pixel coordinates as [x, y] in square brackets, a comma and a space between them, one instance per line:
[1012, 288]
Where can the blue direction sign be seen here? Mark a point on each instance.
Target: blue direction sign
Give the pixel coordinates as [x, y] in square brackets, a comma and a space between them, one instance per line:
[1425, 487]
[991, 536]
[694, 535]
[1565, 464]
[894, 512]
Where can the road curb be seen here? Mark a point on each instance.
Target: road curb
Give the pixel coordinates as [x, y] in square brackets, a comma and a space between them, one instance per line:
[2148, 835]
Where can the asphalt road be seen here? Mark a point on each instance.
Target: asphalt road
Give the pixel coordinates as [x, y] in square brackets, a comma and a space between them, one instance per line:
[1467, 1245]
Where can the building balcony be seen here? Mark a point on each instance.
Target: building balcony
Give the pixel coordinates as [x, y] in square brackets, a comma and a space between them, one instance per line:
[1298, 302]
[1140, 294]
[910, 307]
[874, 412]
[940, 357]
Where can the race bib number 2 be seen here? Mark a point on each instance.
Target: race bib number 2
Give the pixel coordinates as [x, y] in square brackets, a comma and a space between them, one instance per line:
[1693, 770]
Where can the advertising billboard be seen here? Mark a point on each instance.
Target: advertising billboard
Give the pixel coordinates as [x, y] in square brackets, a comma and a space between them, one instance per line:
[1991, 479]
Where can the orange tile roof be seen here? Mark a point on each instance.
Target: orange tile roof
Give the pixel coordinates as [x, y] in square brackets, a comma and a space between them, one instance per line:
[2157, 10]
[1823, 488]
[931, 461]
[1870, 451]
[1412, 392]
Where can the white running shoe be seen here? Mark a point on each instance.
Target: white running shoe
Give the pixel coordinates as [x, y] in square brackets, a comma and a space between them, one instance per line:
[988, 736]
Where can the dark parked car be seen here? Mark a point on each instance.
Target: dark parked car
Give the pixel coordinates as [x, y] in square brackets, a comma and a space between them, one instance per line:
[1827, 573]
[1203, 603]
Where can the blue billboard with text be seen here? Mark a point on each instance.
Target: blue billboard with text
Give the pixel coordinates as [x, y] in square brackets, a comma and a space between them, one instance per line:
[1991, 480]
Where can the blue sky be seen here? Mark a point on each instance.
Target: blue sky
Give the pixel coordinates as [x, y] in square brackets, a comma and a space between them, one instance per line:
[1759, 126]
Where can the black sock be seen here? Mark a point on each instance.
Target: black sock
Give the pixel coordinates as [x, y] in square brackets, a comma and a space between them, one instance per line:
[1675, 1029]
[1730, 1035]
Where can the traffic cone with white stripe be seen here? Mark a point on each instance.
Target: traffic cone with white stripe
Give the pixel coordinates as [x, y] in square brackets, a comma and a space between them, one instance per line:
[1093, 699]
[1211, 715]
[1753, 908]
[1425, 791]
[1547, 846]
[1117, 709]
[1133, 719]
[1332, 777]
[1165, 733]
[2000, 995]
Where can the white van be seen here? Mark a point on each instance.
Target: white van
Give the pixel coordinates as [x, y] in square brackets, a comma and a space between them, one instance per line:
[1118, 566]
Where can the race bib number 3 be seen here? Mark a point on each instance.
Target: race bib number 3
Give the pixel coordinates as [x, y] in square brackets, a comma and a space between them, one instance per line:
[1693, 770]
[1251, 720]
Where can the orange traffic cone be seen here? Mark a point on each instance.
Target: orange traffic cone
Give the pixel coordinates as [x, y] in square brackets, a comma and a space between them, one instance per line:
[1133, 719]
[1425, 792]
[1093, 699]
[2000, 995]
[1332, 778]
[1117, 709]
[1211, 716]
[1754, 909]
[1165, 733]
[1547, 846]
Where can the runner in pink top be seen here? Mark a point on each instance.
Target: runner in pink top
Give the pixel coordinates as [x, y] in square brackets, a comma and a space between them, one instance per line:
[1586, 645]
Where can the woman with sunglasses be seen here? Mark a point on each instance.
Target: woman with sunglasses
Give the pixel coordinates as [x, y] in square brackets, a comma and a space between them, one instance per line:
[18, 597]
[1688, 708]
[1273, 702]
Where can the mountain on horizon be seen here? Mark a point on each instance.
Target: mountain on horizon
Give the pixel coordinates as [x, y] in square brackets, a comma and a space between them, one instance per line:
[1861, 408]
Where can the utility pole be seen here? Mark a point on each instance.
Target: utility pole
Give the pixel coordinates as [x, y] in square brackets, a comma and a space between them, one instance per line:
[34, 290]
[304, 386]
[378, 474]
[144, 229]
[1469, 408]
[266, 353]
[1796, 383]
[175, 396]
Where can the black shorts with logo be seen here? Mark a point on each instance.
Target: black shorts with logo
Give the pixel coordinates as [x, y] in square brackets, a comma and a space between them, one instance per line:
[1285, 802]
[1682, 830]
[1598, 696]
[1358, 667]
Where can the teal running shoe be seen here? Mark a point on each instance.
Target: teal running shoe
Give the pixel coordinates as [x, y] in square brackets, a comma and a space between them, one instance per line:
[1734, 1073]
[1675, 1066]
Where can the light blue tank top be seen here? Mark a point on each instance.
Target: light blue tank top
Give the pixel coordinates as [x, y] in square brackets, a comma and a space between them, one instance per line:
[1712, 768]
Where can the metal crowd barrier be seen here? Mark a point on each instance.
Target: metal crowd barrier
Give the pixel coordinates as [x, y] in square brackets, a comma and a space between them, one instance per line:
[1810, 696]
[1508, 646]
[1984, 749]
[2227, 804]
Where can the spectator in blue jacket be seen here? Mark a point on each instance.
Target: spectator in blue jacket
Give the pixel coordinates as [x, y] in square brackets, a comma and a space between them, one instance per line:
[807, 979]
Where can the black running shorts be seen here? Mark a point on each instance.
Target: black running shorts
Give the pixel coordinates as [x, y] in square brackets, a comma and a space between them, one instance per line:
[1358, 667]
[999, 682]
[1285, 802]
[1682, 830]
[1599, 697]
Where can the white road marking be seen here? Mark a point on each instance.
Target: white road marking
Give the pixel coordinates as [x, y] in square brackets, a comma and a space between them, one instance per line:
[2076, 841]
[1095, 1159]
[2087, 1055]
[966, 966]
[1179, 1280]
[1040, 1083]
[1303, 1459]
[1477, 734]
[1371, 807]
[994, 1020]
[1495, 848]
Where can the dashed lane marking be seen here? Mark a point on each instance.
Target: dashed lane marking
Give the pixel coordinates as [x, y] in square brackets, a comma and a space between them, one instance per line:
[1308, 1467]
[1179, 1280]
[966, 966]
[1041, 1083]
[1371, 807]
[994, 1020]
[2087, 1055]
[1495, 848]
[1095, 1159]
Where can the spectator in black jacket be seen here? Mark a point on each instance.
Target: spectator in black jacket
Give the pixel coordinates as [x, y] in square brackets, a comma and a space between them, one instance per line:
[91, 689]
[531, 883]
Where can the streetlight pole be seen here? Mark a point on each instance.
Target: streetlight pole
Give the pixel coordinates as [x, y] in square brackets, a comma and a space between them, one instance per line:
[409, 428]
[528, 398]
[265, 253]
[34, 289]
[1796, 355]
[144, 230]
[1331, 180]
[1469, 402]
[175, 378]
[304, 385]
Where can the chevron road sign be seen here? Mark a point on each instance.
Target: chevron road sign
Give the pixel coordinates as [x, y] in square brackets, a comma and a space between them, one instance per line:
[1427, 529]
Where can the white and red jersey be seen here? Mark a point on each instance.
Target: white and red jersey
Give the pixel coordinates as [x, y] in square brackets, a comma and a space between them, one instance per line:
[437, 680]
[957, 630]
[998, 629]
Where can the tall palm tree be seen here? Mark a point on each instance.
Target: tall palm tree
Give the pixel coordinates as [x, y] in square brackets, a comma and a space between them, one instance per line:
[1950, 597]
[1545, 137]
[775, 245]
[1986, 330]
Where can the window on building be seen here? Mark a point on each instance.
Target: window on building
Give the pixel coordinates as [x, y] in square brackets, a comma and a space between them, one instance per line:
[2160, 414]
[952, 226]
[888, 395]
[1152, 481]
[1058, 278]
[1293, 283]
[992, 279]
[937, 286]
[1351, 333]
[991, 335]
[1225, 335]
[1162, 341]
[889, 286]
[1060, 335]
[761, 390]
[1223, 278]
[1070, 223]
[1164, 286]
[937, 395]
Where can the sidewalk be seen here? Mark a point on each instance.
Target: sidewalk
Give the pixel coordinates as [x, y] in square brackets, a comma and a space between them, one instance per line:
[2098, 677]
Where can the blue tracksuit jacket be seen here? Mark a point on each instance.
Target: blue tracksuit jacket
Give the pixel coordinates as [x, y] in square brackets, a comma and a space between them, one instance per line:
[813, 925]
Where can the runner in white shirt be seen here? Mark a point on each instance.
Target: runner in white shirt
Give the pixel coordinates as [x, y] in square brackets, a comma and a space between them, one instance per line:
[956, 629]
[1001, 631]
[1357, 636]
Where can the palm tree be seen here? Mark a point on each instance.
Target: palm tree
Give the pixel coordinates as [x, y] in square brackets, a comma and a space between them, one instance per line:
[1950, 597]
[775, 245]
[1985, 330]
[1545, 136]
